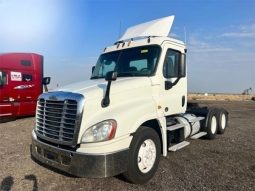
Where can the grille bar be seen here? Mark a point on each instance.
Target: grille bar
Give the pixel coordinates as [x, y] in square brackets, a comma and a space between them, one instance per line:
[55, 116]
[68, 129]
[60, 121]
[55, 130]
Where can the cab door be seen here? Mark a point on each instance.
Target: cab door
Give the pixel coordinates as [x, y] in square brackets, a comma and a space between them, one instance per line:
[173, 87]
[21, 84]
[6, 108]
[26, 91]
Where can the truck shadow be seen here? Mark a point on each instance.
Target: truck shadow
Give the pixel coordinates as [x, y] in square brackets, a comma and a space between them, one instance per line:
[9, 119]
[5, 120]
[32, 178]
[7, 183]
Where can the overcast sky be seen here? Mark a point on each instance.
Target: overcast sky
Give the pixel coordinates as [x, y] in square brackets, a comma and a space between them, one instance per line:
[71, 34]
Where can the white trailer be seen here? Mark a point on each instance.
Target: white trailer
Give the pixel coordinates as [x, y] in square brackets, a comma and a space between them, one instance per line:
[133, 110]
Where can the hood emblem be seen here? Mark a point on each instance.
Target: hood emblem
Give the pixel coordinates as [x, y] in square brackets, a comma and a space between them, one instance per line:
[54, 98]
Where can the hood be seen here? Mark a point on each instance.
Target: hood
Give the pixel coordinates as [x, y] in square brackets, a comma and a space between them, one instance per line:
[96, 88]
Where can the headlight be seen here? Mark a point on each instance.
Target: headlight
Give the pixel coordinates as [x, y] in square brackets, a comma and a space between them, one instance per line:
[102, 131]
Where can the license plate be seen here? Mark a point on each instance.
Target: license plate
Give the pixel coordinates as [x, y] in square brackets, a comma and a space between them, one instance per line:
[50, 155]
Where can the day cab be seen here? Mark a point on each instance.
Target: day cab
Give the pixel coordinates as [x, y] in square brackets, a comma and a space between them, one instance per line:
[132, 110]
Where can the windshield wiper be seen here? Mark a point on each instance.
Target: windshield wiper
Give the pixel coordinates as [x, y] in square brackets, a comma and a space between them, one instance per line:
[96, 77]
[125, 74]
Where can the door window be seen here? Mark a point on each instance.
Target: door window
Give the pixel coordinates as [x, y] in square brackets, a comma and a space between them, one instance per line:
[3, 78]
[171, 63]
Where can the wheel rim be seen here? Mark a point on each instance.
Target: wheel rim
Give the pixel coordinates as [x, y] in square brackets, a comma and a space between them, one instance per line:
[213, 125]
[146, 156]
[223, 121]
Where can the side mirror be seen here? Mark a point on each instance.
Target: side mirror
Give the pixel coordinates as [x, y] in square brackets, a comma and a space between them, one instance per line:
[93, 68]
[182, 66]
[46, 80]
[111, 76]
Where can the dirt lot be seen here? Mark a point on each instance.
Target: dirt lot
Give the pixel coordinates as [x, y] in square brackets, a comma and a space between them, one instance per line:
[220, 97]
[226, 163]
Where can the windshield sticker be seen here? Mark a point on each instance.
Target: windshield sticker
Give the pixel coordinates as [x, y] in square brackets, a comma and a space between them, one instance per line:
[144, 51]
[16, 76]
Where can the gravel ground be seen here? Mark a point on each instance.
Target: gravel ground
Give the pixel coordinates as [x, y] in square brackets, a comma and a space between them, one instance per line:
[225, 163]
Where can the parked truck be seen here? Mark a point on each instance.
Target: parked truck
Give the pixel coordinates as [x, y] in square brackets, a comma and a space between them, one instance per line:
[132, 110]
[21, 82]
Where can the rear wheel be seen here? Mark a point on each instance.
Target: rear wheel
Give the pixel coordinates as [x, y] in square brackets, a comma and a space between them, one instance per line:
[144, 156]
[212, 125]
[222, 118]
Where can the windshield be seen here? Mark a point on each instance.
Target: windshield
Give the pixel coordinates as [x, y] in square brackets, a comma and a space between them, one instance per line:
[138, 61]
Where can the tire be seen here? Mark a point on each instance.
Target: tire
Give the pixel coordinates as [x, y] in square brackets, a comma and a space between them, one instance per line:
[212, 124]
[145, 143]
[222, 119]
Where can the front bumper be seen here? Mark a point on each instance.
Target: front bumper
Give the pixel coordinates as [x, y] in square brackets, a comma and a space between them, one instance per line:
[80, 164]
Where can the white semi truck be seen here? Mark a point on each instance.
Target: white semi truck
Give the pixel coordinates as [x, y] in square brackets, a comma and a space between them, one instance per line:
[132, 110]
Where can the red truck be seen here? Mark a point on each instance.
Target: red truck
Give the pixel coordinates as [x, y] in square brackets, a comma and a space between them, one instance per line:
[21, 82]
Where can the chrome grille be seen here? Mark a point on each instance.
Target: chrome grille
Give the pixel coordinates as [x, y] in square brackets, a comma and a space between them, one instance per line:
[57, 120]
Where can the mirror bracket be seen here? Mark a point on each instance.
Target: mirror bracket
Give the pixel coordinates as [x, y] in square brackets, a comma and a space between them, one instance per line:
[45, 82]
[168, 85]
[110, 76]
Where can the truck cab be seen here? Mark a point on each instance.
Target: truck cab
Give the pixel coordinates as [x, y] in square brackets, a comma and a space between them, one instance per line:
[132, 110]
[21, 77]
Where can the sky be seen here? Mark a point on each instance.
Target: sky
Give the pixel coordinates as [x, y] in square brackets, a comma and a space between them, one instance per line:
[71, 34]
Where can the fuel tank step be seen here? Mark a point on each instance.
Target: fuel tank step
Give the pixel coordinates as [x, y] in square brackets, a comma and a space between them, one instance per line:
[176, 126]
[196, 119]
[198, 135]
[178, 146]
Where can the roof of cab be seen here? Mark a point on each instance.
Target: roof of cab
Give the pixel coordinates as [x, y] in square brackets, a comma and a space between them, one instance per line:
[143, 42]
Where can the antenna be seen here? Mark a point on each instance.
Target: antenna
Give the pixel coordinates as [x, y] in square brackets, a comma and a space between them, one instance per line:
[120, 28]
[185, 35]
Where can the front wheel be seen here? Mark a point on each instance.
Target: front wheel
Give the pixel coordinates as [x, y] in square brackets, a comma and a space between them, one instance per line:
[144, 154]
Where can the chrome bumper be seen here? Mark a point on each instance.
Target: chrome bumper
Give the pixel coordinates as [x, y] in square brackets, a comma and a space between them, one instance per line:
[79, 164]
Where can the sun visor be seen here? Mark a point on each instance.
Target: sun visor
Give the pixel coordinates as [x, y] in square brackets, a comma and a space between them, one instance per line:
[158, 27]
